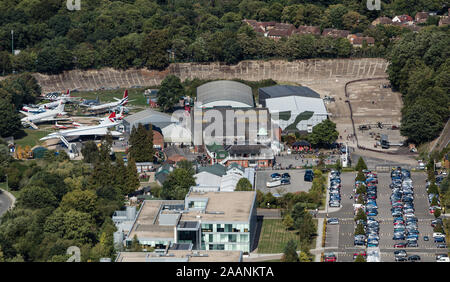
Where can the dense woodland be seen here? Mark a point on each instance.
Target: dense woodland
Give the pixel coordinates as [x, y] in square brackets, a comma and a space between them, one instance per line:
[152, 33]
[420, 70]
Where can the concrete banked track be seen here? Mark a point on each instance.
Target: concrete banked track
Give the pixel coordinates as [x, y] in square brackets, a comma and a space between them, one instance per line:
[300, 71]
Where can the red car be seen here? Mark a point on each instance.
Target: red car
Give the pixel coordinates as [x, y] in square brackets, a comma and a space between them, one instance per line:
[400, 245]
[357, 254]
[329, 258]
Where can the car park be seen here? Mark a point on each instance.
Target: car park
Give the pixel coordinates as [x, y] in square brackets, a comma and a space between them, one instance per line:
[398, 259]
[286, 176]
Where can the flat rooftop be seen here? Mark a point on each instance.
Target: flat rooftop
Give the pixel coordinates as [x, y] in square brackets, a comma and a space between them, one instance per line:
[223, 206]
[177, 255]
[147, 224]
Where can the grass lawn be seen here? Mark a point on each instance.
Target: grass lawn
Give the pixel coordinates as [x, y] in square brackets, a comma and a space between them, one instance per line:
[32, 137]
[3, 186]
[274, 237]
[108, 95]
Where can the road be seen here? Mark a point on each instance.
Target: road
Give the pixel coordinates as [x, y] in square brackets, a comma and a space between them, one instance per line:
[339, 238]
[5, 202]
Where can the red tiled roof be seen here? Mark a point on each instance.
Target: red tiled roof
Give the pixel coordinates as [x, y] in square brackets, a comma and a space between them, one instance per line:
[335, 33]
[303, 29]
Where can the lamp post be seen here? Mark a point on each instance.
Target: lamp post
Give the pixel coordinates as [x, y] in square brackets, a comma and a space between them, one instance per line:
[12, 42]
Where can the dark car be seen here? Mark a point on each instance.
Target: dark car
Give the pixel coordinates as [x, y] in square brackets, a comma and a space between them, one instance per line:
[414, 258]
[426, 238]
[285, 176]
[412, 244]
[401, 259]
[285, 181]
[309, 175]
[441, 245]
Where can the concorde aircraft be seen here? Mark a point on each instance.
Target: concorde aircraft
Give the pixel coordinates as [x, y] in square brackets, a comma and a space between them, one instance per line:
[95, 130]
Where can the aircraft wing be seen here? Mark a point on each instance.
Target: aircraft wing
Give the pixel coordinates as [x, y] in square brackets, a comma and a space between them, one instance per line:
[81, 132]
[27, 113]
[53, 119]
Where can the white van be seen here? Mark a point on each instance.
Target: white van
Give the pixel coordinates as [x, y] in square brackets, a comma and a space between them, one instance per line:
[443, 259]
[275, 183]
[438, 234]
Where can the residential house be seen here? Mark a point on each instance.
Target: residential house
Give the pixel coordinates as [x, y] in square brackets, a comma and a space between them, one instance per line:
[404, 19]
[304, 29]
[421, 17]
[382, 21]
[335, 33]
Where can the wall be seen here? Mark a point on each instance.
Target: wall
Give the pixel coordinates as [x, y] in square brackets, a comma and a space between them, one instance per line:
[296, 71]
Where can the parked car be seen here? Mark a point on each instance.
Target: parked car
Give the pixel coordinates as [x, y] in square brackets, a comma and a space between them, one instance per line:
[329, 257]
[400, 245]
[309, 175]
[333, 221]
[274, 183]
[414, 258]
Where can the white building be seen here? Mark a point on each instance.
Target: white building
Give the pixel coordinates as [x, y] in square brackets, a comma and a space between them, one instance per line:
[293, 107]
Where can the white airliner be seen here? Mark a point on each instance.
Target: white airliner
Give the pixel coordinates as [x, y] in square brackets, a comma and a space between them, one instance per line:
[44, 107]
[50, 115]
[96, 130]
[112, 105]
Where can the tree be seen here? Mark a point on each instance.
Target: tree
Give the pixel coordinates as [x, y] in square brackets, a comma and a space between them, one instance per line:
[154, 49]
[360, 176]
[324, 133]
[290, 252]
[177, 184]
[360, 229]
[360, 258]
[338, 165]
[243, 185]
[135, 245]
[90, 152]
[132, 176]
[360, 215]
[141, 144]
[361, 165]
[10, 121]
[437, 213]
[36, 197]
[288, 222]
[82, 201]
[170, 92]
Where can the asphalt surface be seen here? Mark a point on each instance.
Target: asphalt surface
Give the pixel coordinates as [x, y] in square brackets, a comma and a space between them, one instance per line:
[339, 238]
[5, 202]
[297, 181]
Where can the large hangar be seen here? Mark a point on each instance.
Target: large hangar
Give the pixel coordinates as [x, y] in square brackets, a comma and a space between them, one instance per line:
[146, 117]
[224, 93]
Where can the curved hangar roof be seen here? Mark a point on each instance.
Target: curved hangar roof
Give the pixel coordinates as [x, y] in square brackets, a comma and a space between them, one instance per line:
[225, 93]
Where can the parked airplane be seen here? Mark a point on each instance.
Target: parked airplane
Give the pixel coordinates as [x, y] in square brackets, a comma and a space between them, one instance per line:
[65, 97]
[112, 105]
[67, 126]
[87, 103]
[96, 130]
[50, 115]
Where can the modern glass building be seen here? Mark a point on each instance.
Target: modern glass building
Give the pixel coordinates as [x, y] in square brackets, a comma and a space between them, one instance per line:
[207, 221]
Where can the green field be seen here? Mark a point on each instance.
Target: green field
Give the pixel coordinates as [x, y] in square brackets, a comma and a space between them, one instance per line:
[274, 237]
[32, 137]
[108, 95]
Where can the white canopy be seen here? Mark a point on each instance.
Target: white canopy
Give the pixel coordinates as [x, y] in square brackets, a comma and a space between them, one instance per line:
[174, 133]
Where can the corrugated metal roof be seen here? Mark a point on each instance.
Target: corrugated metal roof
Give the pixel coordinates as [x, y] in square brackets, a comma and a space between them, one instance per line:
[296, 104]
[289, 90]
[148, 113]
[225, 90]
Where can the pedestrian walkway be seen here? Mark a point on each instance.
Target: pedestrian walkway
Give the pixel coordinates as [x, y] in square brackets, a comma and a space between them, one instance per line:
[319, 238]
